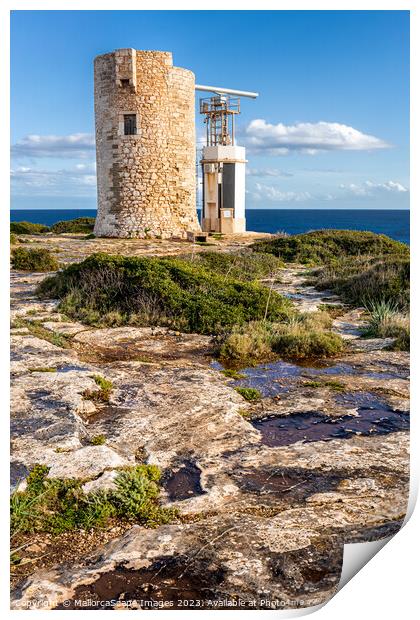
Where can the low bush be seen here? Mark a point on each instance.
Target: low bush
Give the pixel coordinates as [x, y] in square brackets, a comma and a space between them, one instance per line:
[245, 265]
[58, 505]
[301, 336]
[28, 228]
[161, 291]
[386, 321]
[321, 246]
[249, 344]
[79, 225]
[364, 280]
[13, 239]
[296, 341]
[34, 260]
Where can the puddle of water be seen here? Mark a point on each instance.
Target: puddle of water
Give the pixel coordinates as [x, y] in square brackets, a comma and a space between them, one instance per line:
[267, 378]
[292, 484]
[184, 482]
[167, 583]
[271, 378]
[70, 367]
[363, 400]
[312, 426]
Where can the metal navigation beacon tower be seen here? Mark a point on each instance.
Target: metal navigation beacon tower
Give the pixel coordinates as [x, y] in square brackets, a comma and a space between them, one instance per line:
[223, 163]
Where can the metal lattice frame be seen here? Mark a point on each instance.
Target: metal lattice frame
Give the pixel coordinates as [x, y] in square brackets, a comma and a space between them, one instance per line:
[219, 116]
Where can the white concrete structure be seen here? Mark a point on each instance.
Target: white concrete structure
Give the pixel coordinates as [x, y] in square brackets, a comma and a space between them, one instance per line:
[223, 189]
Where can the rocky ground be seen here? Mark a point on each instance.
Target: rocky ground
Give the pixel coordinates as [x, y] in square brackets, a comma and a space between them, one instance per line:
[267, 492]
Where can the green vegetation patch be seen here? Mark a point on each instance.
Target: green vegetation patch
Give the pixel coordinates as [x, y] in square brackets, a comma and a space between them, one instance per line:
[232, 374]
[54, 505]
[98, 440]
[250, 394]
[245, 265]
[300, 336]
[28, 228]
[104, 392]
[387, 321]
[36, 329]
[13, 239]
[161, 291]
[34, 260]
[363, 280]
[337, 386]
[79, 225]
[321, 246]
[249, 344]
[299, 342]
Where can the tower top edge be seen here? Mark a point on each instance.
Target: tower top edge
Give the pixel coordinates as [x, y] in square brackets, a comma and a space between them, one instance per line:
[131, 50]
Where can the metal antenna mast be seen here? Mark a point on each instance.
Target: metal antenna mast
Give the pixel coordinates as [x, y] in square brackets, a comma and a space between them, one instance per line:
[219, 113]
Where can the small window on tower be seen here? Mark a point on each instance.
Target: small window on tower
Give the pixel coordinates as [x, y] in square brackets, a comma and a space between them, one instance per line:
[125, 82]
[130, 125]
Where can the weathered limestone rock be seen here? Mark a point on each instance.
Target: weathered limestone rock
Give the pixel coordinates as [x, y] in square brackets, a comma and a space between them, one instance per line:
[216, 561]
[258, 523]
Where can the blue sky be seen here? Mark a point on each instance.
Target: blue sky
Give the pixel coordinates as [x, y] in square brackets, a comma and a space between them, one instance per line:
[330, 128]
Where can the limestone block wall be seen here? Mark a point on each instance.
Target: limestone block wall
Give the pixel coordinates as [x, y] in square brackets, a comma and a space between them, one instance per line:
[146, 181]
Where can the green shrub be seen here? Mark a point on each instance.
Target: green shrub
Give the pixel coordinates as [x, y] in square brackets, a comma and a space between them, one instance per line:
[161, 291]
[250, 394]
[245, 265]
[249, 344]
[135, 497]
[104, 392]
[364, 280]
[13, 239]
[28, 228]
[98, 440]
[386, 321]
[321, 246]
[33, 260]
[78, 225]
[55, 505]
[294, 341]
[301, 335]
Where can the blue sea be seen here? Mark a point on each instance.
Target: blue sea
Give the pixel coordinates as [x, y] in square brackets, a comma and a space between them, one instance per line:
[395, 224]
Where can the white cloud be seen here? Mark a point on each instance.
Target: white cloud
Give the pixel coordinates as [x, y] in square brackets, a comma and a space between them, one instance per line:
[73, 146]
[267, 172]
[77, 181]
[309, 138]
[368, 188]
[273, 194]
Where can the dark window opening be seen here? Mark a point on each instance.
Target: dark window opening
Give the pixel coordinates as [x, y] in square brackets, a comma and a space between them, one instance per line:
[125, 82]
[130, 125]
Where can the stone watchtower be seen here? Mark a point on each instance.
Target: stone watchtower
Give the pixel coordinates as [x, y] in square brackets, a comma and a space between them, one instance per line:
[145, 145]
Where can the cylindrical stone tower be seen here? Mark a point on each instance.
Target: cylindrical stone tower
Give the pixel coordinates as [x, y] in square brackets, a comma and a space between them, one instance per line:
[145, 146]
